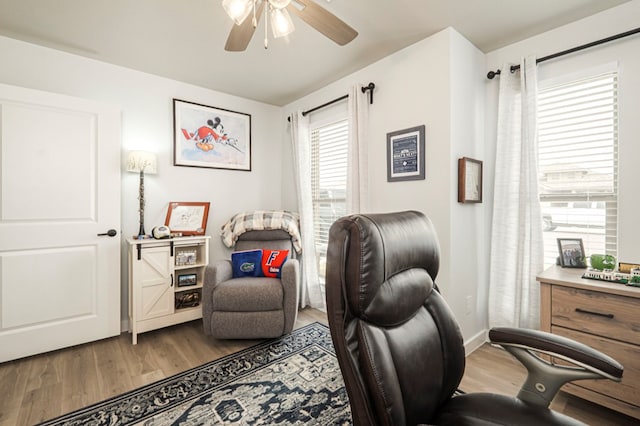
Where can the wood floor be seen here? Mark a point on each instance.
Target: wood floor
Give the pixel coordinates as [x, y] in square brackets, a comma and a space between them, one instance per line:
[41, 387]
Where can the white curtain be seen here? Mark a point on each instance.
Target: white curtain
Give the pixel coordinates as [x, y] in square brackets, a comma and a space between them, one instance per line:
[310, 294]
[357, 174]
[516, 235]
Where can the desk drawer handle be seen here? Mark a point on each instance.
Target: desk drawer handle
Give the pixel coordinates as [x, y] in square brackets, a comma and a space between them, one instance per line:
[584, 311]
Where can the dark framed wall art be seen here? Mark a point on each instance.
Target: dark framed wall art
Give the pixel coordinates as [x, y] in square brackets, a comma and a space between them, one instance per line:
[205, 136]
[469, 180]
[406, 154]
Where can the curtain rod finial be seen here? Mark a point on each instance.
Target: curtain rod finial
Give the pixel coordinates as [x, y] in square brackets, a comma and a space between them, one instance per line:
[369, 88]
[492, 74]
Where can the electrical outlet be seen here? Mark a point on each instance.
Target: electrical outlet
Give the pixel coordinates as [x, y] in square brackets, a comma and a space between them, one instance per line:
[469, 305]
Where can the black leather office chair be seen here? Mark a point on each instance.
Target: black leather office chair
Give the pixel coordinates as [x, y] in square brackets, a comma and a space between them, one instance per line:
[400, 349]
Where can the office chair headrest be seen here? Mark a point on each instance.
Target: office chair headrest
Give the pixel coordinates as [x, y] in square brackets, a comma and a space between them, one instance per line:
[391, 266]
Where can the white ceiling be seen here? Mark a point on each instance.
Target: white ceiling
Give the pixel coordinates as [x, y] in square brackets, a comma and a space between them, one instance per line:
[184, 39]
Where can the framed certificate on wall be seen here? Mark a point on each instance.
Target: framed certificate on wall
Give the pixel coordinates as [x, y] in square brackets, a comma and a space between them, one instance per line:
[469, 180]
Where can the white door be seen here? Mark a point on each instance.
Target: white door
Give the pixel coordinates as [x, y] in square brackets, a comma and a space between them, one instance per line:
[59, 189]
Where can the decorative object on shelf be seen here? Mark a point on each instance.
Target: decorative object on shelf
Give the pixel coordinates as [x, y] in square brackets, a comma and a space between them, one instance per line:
[160, 232]
[206, 136]
[405, 154]
[187, 299]
[632, 278]
[188, 218]
[142, 162]
[187, 280]
[602, 262]
[626, 268]
[281, 24]
[186, 257]
[571, 253]
[469, 180]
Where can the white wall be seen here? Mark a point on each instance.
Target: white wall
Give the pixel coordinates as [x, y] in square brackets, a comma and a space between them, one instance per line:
[147, 124]
[436, 82]
[626, 53]
[468, 234]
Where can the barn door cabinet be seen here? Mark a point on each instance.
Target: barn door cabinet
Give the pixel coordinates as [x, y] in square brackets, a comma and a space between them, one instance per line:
[603, 315]
[165, 282]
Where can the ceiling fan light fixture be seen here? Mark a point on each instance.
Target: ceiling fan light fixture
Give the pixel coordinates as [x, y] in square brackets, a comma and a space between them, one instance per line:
[281, 23]
[238, 10]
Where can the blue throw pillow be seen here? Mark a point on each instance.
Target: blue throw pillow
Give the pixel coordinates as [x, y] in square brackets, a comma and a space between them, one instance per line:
[246, 263]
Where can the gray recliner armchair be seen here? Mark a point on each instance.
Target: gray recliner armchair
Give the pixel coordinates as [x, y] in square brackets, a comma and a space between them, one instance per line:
[251, 307]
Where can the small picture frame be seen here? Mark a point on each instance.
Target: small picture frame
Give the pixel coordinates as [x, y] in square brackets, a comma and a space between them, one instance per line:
[187, 280]
[188, 218]
[469, 180]
[405, 154]
[186, 257]
[572, 253]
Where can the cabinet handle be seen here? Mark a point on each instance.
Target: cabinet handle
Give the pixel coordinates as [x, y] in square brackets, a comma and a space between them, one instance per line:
[584, 311]
[171, 280]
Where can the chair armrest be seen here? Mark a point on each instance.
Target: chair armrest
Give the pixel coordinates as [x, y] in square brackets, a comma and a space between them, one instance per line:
[214, 274]
[562, 347]
[218, 271]
[545, 378]
[290, 279]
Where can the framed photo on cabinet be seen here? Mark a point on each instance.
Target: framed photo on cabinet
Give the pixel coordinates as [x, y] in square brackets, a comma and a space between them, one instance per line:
[187, 218]
[469, 180]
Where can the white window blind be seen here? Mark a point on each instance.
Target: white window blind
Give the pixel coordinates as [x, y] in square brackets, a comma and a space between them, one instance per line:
[578, 163]
[329, 182]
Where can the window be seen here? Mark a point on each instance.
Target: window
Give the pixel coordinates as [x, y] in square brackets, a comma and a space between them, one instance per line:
[577, 147]
[329, 183]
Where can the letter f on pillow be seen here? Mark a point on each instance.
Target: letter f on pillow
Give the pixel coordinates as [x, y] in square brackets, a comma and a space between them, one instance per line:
[272, 256]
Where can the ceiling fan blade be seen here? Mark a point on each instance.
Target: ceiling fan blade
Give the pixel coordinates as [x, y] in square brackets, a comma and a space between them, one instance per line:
[323, 20]
[240, 35]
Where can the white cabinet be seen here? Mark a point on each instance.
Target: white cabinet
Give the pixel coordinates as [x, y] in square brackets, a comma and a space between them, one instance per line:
[165, 282]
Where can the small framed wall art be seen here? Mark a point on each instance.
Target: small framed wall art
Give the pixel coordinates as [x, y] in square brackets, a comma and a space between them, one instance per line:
[187, 218]
[205, 136]
[469, 180]
[405, 154]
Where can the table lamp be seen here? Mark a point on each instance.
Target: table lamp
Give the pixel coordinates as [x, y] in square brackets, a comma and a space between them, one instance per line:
[142, 162]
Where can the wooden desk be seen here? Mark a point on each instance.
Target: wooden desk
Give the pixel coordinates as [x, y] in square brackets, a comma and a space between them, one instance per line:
[603, 315]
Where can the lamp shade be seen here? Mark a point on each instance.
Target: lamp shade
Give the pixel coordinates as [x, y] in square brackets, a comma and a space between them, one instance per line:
[142, 161]
[281, 23]
[238, 10]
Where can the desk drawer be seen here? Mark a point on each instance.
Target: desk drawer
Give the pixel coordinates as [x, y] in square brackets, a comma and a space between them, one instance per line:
[628, 390]
[608, 315]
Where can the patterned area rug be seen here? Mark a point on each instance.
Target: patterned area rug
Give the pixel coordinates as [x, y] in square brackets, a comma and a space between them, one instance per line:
[293, 380]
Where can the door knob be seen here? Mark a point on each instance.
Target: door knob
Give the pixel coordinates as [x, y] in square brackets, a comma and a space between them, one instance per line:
[110, 232]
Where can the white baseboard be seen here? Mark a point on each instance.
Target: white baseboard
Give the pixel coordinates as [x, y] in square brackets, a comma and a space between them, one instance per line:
[475, 342]
[124, 325]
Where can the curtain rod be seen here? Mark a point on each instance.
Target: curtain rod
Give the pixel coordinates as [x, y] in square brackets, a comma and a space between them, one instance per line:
[364, 89]
[514, 68]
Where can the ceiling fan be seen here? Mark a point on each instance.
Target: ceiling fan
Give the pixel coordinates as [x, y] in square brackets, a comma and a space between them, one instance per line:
[281, 24]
